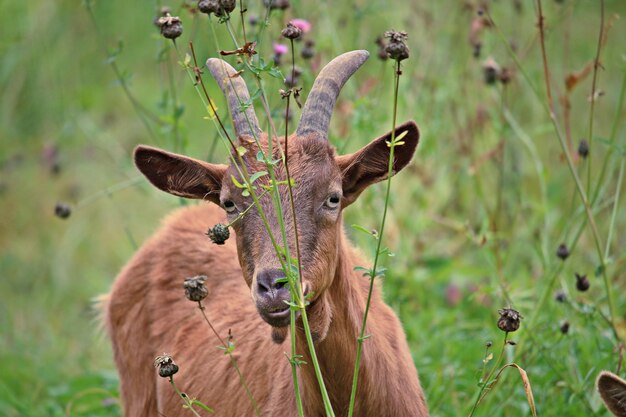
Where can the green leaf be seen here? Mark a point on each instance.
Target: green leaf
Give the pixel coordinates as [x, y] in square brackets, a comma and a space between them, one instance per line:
[237, 183]
[256, 176]
[201, 405]
[362, 229]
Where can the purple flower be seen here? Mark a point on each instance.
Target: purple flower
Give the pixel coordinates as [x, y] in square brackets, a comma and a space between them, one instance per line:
[280, 49]
[303, 25]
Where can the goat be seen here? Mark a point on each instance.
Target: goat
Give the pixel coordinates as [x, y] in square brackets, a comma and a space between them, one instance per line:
[147, 314]
[613, 392]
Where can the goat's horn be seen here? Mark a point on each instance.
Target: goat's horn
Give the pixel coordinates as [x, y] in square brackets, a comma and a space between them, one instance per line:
[236, 92]
[321, 101]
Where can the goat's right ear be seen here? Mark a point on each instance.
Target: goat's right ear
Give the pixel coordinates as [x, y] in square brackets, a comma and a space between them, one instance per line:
[613, 391]
[180, 175]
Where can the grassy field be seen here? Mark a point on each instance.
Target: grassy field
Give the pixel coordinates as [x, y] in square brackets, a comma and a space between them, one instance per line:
[475, 221]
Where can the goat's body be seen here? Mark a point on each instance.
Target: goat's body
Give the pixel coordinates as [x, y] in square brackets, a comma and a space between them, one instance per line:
[147, 314]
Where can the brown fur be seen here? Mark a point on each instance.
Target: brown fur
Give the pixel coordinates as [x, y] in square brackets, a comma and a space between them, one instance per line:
[613, 391]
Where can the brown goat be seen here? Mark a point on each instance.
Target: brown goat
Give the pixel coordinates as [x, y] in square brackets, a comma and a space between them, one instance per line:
[147, 313]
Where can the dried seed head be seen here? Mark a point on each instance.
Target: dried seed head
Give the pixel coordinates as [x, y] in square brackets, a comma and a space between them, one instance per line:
[562, 251]
[218, 234]
[165, 364]
[382, 45]
[228, 5]
[171, 26]
[560, 296]
[309, 49]
[505, 75]
[491, 71]
[276, 4]
[565, 327]
[489, 344]
[582, 283]
[209, 6]
[397, 49]
[162, 12]
[195, 289]
[583, 148]
[291, 31]
[509, 320]
[62, 210]
[293, 78]
[476, 51]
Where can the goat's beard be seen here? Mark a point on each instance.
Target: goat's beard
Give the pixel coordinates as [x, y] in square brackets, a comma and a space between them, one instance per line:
[319, 314]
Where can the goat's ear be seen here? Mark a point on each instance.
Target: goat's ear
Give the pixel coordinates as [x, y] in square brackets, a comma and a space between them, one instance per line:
[371, 163]
[180, 175]
[613, 391]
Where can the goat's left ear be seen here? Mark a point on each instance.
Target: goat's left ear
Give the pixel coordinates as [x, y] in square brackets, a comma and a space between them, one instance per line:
[370, 164]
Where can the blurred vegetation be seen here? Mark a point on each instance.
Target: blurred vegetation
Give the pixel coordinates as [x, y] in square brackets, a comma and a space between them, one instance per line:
[475, 221]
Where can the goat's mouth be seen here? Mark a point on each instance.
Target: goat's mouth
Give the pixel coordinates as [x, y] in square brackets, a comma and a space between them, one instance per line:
[276, 313]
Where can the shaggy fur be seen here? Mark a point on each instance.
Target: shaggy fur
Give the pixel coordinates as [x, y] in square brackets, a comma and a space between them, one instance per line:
[613, 392]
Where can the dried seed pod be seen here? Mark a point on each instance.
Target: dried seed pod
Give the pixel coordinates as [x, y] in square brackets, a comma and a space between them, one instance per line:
[564, 327]
[276, 4]
[509, 320]
[62, 210]
[560, 296]
[491, 71]
[397, 48]
[291, 31]
[165, 364]
[582, 283]
[228, 5]
[209, 6]
[171, 26]
[583, 148]
[195, 289]
[562, 251]
[308, 51]
[218, 234]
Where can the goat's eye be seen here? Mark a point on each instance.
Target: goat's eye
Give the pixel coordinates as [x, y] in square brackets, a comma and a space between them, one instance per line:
[229, 206]
[333, 201]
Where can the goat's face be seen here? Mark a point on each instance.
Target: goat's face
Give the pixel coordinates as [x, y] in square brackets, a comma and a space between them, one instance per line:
[322, 185]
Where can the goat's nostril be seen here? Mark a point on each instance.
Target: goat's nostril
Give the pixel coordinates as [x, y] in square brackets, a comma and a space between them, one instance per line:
[270, 280]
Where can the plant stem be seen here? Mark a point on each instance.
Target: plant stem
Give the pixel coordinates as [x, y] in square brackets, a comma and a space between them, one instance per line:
[488, 379]
[373, 272]
[184, 397]
[233, 361]
[596, 64]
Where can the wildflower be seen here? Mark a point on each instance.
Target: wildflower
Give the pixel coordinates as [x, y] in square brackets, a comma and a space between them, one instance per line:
[565, 327]
[195, 289]
[280, 49]
[582, 283]
[166, 365]
[303, 25]
[291, 31]
[397, 49]
[218, 234]
[62, 210]
[509, 320]
[171, 26]
[562, 252]
[309, 49]
[583, 148]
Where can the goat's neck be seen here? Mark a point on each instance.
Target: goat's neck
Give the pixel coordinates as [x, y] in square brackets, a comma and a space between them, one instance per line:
[336, 353]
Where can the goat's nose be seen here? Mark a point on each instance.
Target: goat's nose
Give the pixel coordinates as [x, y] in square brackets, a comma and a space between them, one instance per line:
[270, 284]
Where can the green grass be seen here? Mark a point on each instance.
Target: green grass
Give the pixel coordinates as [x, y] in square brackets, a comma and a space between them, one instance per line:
[58, 90]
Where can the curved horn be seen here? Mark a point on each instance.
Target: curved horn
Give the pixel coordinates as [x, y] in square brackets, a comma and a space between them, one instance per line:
[321, 101]
[236, 92]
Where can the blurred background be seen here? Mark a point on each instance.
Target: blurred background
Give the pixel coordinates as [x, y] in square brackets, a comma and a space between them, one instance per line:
[475, 221]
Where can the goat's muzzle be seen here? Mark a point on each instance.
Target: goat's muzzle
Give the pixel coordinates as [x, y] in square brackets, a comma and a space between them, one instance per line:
[272, 295]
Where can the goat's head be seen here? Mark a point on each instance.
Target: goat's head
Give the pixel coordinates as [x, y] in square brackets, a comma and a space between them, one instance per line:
[324, 184]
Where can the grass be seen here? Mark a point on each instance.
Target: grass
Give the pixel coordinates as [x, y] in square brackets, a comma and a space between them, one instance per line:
[479, 213]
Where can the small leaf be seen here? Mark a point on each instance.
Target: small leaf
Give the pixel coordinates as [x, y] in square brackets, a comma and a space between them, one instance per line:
[201, 405]
[241, 150]
[256, 176]
[237, 183]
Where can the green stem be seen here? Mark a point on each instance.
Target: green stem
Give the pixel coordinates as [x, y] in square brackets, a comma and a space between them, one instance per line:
[596, 64]
[184, 397]
[488, 379]
[373, 273]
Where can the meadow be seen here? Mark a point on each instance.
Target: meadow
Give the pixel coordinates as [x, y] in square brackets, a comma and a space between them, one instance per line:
[475, 222]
